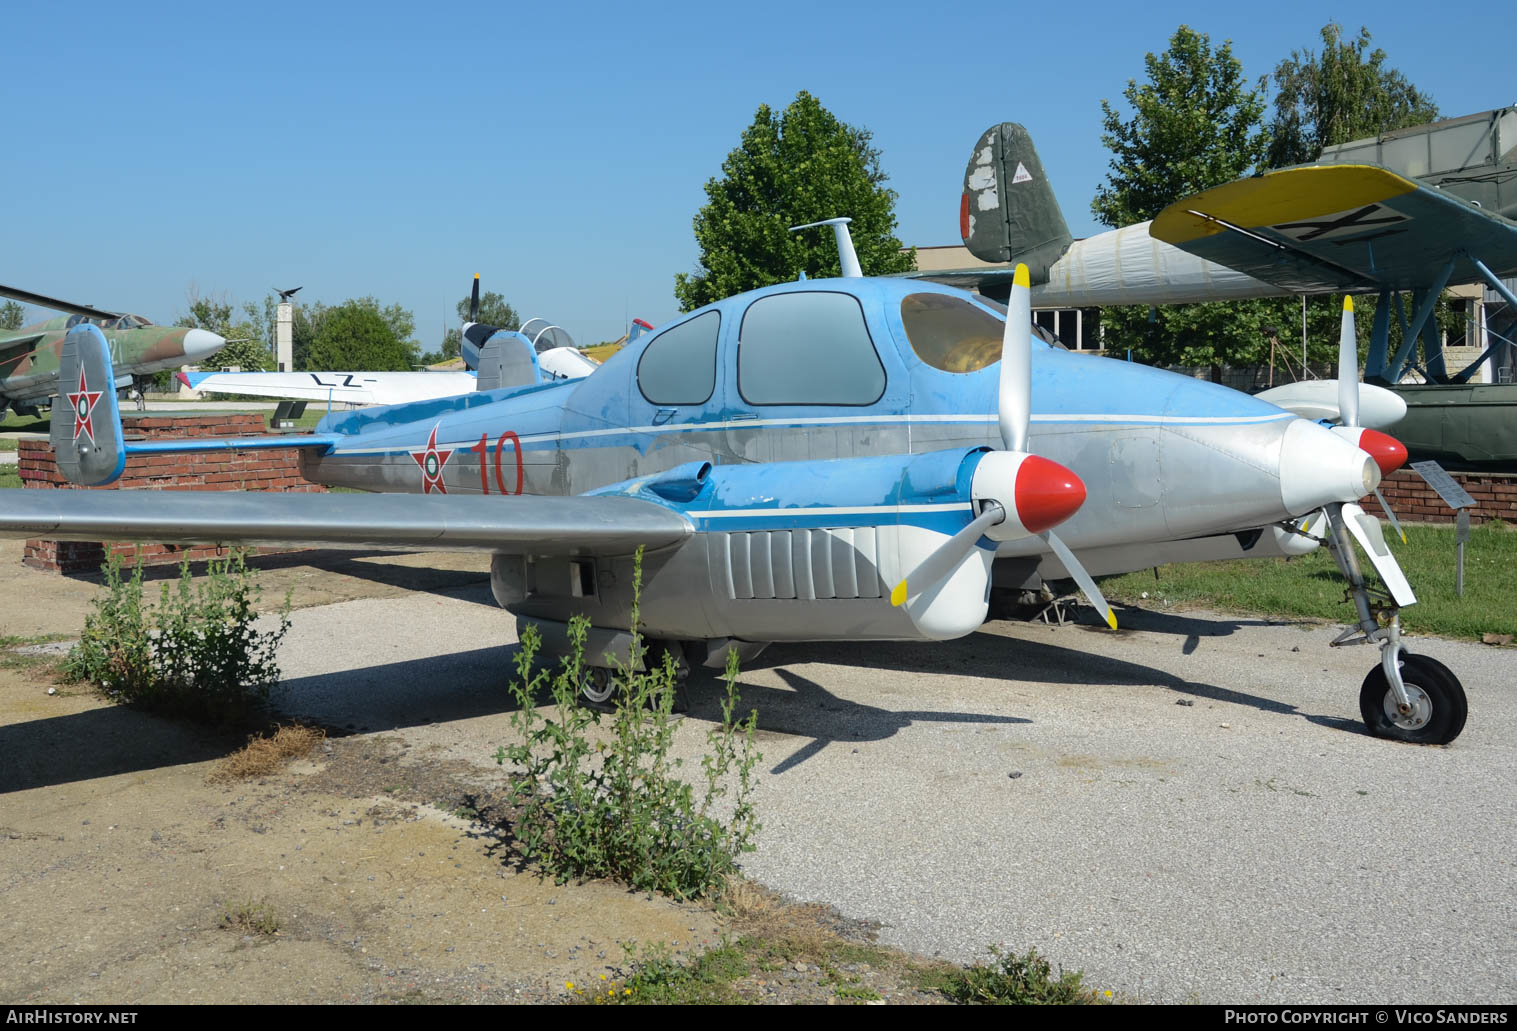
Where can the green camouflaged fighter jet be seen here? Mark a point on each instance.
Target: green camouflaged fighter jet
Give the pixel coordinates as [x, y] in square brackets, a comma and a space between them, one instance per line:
[29, 356]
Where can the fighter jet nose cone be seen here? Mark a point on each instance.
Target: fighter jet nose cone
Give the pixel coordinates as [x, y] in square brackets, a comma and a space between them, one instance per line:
[1388, 452]
[199, 343]
[1046, 494]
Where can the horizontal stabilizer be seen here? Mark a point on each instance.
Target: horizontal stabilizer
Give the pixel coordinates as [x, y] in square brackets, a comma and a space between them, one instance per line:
[527, 525]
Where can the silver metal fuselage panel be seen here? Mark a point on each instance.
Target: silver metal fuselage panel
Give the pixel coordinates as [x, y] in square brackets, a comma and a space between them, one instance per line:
[1163, 458]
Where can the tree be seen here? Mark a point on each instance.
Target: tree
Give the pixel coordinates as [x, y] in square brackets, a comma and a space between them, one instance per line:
[493, 311]
[11, 315]
[1339, 95]
[1195, 124]
[800, 166]
[356, 335]
[247, 345]
[307, 321]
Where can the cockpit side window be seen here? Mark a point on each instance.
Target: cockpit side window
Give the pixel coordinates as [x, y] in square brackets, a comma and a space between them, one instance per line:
[951, 333]
[807, 348]
[678, 367]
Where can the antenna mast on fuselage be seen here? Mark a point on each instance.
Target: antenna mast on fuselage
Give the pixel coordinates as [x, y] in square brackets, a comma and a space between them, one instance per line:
[848, 258]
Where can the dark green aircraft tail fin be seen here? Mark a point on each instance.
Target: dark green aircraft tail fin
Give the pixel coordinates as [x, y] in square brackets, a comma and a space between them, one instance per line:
[1008, 211]
[86, 422]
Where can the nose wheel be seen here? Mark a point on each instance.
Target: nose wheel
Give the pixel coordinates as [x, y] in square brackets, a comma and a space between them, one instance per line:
[1435, 708]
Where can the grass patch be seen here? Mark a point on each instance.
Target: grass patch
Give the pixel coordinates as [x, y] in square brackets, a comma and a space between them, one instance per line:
[10, 422]
[10, 476]
[813, 954]
[1012, 980]
[1312, 587]
[264, 755]
[9, 443]
[251, 918]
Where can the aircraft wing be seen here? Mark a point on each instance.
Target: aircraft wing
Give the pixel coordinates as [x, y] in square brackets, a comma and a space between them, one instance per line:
[526, 524]
[363, 388]
[1331, 228]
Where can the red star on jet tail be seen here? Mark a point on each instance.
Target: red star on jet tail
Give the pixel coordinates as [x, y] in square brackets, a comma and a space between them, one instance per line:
[431, 461]
[84, 400]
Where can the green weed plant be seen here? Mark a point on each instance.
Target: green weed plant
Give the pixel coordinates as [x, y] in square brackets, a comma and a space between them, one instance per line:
[615, 804]
[1013, 980]
[196, 654]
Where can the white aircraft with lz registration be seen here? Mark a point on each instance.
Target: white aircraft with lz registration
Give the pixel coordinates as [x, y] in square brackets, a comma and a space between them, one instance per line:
[833, 459]
[535, 352]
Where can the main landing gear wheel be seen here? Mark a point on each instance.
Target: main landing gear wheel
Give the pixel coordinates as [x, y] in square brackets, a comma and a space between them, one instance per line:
[1438, 706]
[596, 687]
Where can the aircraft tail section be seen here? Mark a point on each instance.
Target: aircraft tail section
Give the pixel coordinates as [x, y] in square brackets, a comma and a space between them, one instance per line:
[506, 360]
[1008, 211]
[86, 421]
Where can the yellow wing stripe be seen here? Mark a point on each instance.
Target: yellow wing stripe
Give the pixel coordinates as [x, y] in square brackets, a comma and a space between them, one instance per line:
[1289, 195]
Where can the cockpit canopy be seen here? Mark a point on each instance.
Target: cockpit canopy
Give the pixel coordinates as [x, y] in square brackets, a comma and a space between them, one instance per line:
[121, 322]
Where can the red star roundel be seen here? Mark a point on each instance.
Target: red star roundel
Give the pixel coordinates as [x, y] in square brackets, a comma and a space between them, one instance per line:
[84, 400]
[431, 462]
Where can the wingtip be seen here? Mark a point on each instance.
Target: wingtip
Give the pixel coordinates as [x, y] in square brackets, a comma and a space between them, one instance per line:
[898, 595]
[1020, 277]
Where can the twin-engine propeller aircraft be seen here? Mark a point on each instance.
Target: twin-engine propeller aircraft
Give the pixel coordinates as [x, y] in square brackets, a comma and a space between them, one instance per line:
[537, 352]
[29, 363]
[842, 459]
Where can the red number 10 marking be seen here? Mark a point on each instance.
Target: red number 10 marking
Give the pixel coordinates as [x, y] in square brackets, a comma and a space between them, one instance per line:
[483, 448]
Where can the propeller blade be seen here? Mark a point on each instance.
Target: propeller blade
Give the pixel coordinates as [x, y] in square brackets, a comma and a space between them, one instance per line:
[938, 566]
[1014, 408]
[1348, 368]
[1385, 506]
[1087, 585]
[1365, 529]
[474, 301]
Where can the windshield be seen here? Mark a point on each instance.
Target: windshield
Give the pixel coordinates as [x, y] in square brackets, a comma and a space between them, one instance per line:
[951, 333]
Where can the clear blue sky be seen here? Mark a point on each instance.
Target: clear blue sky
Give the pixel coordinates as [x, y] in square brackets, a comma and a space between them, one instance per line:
[559, 149]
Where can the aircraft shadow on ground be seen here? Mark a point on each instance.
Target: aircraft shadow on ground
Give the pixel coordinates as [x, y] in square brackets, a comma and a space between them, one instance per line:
[345, 563]
[469, 684]
[101, 743]
[995, 657]
[411, 693]
[808, 709]
[117, 739]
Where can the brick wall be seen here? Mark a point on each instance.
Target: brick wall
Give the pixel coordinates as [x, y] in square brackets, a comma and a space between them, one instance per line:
[216, 470]
[1495, 497]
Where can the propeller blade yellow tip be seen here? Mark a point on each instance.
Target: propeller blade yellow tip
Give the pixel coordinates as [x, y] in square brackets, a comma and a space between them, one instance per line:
[1111, 619]
[1020, 277]
[898, 595]
[1348, 304]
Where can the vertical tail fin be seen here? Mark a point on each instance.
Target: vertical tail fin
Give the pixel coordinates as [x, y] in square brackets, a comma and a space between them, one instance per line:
[506, 360]
[86, 421]
[1008, 211]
